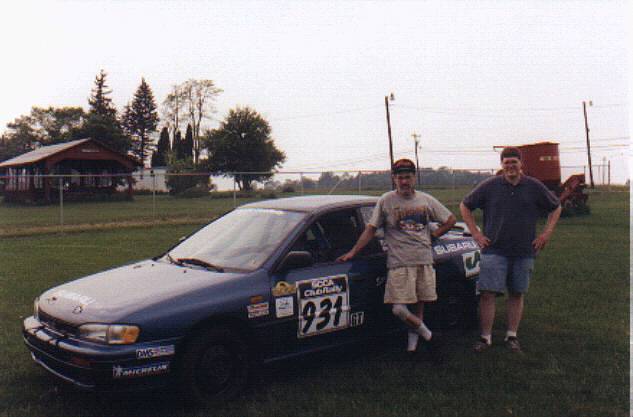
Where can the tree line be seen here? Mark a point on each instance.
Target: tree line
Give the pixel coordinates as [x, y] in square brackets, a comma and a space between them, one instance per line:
[242, 141]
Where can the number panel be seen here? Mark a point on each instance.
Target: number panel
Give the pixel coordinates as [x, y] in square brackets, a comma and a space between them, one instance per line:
[323, 305]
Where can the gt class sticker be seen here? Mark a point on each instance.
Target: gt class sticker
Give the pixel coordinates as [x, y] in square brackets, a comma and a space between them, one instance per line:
[471, 263]
[323, 305]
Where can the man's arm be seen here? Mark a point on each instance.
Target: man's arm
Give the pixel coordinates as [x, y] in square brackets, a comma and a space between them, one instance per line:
[542, 239]
[365, 237]
[444, 227]
[479, 237]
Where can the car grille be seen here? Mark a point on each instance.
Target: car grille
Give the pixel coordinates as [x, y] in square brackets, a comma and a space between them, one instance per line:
[56, 325]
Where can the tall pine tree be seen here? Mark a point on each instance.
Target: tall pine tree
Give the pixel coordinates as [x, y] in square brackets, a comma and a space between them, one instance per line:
[160, 155]
[140, 119]
[178, 148]
[102, 123]
[187, 144]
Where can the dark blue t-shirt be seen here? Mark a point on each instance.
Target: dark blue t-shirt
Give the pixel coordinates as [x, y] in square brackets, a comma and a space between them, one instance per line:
[511, 212]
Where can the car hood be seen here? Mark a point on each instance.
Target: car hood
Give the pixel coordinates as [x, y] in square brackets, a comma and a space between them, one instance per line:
[107, 296]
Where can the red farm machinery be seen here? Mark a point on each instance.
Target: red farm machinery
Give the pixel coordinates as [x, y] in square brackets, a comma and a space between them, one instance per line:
[541, 161]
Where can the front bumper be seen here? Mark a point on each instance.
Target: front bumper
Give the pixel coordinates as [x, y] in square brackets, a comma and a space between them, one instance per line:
[92, 366]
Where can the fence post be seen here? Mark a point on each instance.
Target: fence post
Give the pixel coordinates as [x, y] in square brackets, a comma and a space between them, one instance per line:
[234, 193]
[61, 203]
[153, 195]
[301, 179]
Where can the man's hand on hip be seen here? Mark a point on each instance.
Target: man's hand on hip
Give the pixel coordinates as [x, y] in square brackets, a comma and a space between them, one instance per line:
[481, 239]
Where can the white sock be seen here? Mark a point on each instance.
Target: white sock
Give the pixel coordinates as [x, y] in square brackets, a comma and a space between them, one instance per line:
[510, 333]
[424, 332]
[412, 341]
[487, 338]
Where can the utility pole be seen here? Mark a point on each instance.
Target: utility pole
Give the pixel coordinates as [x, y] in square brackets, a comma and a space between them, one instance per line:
[417, 162]
[392, 98]
[584, 109]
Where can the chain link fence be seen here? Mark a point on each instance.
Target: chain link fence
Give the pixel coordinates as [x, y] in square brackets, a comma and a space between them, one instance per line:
[150, 197]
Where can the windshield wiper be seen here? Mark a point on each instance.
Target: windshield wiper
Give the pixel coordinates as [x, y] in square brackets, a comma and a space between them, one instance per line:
[198, 262]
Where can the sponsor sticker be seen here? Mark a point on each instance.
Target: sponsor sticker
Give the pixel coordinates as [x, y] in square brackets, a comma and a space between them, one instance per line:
[471, 263]
[323, 305]
[119, 372]
[284, 307]
[154, 352]
[258, 310]
[356, 319]
[283, 288]
[455, 247]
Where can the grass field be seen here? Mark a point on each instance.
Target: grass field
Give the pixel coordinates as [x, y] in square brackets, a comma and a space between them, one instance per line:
[575, 333]
[144, 210]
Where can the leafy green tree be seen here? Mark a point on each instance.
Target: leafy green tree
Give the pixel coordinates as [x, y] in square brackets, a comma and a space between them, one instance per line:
[184, 177]
[43, 126]
[102, 123]
[140, 119]
[243, 143]
[187, 144]
[163, 148]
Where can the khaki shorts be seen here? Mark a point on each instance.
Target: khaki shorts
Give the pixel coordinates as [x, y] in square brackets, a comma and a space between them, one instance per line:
[410, 284]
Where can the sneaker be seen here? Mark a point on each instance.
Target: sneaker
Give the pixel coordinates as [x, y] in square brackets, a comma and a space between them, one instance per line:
[481, 345]
[512, 343]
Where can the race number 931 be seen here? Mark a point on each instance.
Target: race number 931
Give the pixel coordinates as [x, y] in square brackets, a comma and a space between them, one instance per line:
[323, 305]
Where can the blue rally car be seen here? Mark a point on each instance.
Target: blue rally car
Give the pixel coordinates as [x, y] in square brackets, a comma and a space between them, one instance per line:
[257, 285]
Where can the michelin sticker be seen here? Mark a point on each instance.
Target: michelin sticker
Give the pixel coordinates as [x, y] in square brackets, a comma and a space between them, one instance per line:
[284, 307]
[258, 310]
[323, 305]
[154, 352]
[471, 263]
[119, 372]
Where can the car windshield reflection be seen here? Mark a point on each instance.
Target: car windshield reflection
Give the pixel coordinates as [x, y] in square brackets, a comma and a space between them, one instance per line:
[242, 239]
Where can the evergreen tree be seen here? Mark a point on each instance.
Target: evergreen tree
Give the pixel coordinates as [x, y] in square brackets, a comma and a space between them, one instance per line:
[102, 123]
[159, 157]
[187, 144]
[140, 119]
[178, 148]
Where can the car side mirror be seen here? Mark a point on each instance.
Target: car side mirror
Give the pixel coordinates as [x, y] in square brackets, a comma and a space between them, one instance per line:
[296, 259]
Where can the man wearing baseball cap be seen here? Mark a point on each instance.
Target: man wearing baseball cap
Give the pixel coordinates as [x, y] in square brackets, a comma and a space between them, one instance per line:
[512, 203]
[405, 215]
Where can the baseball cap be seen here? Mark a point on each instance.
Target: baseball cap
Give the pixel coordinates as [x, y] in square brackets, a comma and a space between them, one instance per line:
[402, 166]
[511, 152]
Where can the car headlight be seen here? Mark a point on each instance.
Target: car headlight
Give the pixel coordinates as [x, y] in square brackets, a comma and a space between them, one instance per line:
[112, 334]
[36, 307]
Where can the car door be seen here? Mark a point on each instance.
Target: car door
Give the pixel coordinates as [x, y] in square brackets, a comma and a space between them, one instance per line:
[328, 302]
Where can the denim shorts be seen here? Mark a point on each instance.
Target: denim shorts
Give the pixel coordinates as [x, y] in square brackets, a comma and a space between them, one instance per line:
[503, 274]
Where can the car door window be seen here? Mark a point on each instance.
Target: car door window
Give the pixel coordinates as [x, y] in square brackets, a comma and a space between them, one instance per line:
[330, 236]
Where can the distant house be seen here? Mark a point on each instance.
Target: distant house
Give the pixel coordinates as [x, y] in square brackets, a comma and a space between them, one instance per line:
[82, 168]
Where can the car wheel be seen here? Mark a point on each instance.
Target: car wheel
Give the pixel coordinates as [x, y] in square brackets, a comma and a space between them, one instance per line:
[215, 365]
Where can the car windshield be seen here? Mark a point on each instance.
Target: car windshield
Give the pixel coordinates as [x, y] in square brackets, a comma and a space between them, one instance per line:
[242, 239]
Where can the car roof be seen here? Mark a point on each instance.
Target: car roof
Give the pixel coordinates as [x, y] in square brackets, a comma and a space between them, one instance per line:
[313, 203]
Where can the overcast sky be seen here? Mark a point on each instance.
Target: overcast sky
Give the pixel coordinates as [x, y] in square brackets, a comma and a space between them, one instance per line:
[465, 75]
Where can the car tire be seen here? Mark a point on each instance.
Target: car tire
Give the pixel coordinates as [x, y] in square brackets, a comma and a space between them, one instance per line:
[215, 366]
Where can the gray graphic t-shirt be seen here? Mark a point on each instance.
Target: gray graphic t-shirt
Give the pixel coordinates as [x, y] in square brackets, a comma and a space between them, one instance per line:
[406, 225]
